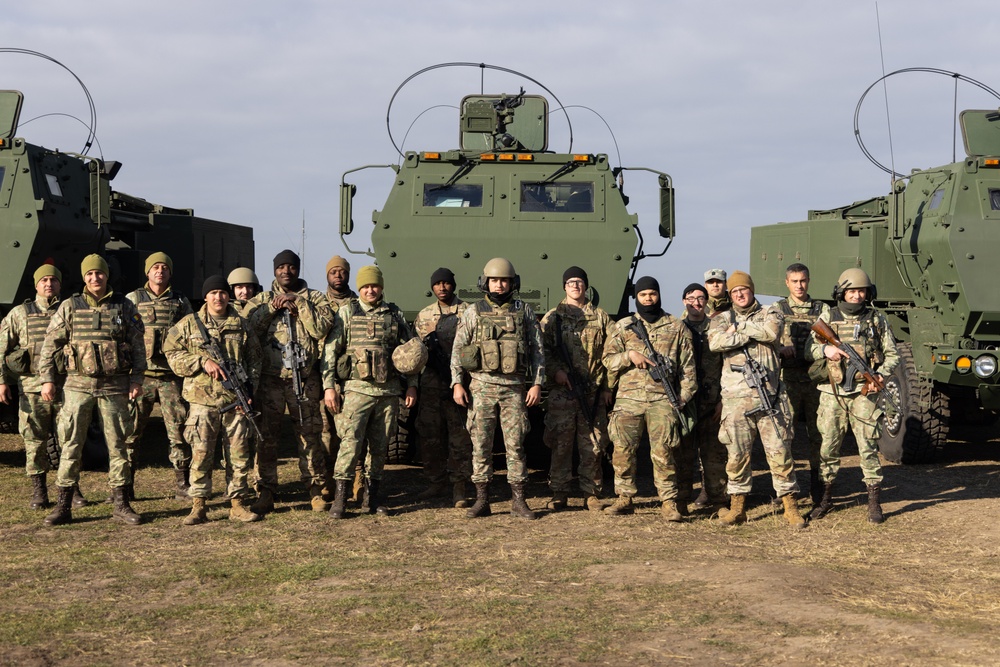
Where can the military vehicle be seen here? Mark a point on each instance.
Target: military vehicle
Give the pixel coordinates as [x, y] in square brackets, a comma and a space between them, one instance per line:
[930, 246]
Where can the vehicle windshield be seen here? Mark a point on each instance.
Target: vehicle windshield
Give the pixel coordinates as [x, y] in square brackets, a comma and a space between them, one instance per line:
[569, 197]
[453, 196]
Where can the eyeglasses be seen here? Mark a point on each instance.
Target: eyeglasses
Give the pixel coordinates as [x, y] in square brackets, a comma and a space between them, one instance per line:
[575, 283]
[695, 299]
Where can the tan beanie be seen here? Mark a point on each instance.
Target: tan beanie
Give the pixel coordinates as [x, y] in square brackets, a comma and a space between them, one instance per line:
[337, 260]
[370, 275]
[740, 279]
[159, 258]
[93, 263]
[47, 270]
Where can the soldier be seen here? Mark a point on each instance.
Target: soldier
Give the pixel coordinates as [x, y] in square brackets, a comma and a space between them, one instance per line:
[161, 308]
[702, 443]
[245, 285]
[185, 349]
[858, 324]
[21, 337]
[360, 351]
[718, 298]
[287, 352]
[445, 446]
[748, 337]
[500, 343]
[642, 402]
[101, 333]
[574, 334]
[801, 311]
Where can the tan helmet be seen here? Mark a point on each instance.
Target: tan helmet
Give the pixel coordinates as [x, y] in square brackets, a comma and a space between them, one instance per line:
[242, 276]
[498, 267]
[853, 278]
[410, 357]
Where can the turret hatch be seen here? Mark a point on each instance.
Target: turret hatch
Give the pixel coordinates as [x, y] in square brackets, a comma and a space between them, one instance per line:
[981, 132]
[10, 110]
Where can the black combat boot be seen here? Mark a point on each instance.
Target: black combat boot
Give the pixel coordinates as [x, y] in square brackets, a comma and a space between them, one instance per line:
[376, 504]
[815, 488]
[874, 506]
[339, 498]
[181, 476]
[122, 510]
[518, 507]
[822, 508]
[482, 505]
[78, 499]
[39, 492]
[62, 512]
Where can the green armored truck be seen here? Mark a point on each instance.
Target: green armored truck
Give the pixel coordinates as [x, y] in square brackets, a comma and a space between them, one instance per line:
[931, 248]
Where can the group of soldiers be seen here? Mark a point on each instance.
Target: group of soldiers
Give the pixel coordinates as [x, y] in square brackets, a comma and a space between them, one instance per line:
[701, 387]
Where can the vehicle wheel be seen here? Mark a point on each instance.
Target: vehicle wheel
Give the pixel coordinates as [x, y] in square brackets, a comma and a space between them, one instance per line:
[401, 442]
[915, 434]
[53, 451]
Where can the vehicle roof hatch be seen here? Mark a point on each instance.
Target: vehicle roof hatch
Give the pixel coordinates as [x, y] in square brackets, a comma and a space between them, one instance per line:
[980, 132]
[10, 111]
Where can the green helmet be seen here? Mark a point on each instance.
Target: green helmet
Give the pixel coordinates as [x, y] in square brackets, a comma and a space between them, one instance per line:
[242, 276]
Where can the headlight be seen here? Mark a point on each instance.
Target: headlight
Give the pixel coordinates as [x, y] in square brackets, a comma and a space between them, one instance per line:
[985, 366]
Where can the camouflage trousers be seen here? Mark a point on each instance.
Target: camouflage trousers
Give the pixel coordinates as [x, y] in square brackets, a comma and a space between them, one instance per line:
[36, 422]
[737, 433]
[445, 445]
[71, 429]
[166, 391]
[491, 402]
[864, 418]
[627, 422]
[365, 419]
[702, 446]
[565, 426]
[329, 438]
[804, 400]
[273, 397]
[202, 430]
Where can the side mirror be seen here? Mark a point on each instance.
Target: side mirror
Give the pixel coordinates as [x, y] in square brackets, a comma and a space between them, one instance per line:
[346, 207]
[666, 207]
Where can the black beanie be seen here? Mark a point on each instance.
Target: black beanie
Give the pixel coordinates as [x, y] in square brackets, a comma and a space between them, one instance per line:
[213, 283]
[442, 275]
[694, 287]
[575, 272]
[286, 257]
[645, 283]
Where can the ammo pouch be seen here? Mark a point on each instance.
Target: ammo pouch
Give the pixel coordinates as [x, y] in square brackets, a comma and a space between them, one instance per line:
[372, 364]
[818, 371]
[19, 361]
[99, 358]
[343, 368]
[468, 357]
[500, 355]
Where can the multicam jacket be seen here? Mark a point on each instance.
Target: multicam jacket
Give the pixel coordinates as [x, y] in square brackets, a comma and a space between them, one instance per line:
[709, 367]
[358, 350]
[312, 324]
[24, 328]
[867, 332]
[103, 342]
[506, 336]
[442, 322]
[799, 317]
[185, 351]
[757, 334]
[671, 339]
[718, 304]
[584, 332]
[339, 299]
[159, 313]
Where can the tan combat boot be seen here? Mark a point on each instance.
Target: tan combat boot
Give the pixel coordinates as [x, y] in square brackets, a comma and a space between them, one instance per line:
[558, 502]
[458, 497]
[792, 514]
[240, 511]
[736, 513]
[670, 511]
[316, 500]
[199, 513]
[593, 503]
[622, 505]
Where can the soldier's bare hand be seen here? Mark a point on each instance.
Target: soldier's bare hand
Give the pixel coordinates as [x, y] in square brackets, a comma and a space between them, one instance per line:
[48, 392]
[411, 397]
[731, 330]
[534, 396]
[787, 351]
[833, 353]
[134, 391]
[639, 360]
[460, 395]
[5, 395]
[214, 369]
[562, 377]
[286, 300]
[331, 397]
[607, 397]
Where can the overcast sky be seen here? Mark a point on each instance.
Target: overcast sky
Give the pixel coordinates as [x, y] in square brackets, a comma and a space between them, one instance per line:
[250, 111]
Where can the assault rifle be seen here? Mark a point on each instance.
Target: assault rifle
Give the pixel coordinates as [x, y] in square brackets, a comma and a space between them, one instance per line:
[234, 377]
[293, 357]
[576, 384]
[854, 366]
[662, 369]
[755, 375]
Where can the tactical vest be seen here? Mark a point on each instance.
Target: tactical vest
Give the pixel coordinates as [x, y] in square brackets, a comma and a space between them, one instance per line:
[798, 331]
[23, 360]
[371, 338]
[501, 338]
[700, 341]
[97, 344]
[863, 335]
[158, 315]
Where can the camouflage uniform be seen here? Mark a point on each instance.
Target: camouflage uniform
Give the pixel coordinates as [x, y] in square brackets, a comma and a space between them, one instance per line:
[186, 355]
[582, 333]
[359, 350]
[870, 335]
[105, 354]
[331, 441]
[758, 331]
[445, 445]
[803, 395]
[24, 327]
[159, 313]
[509, 343]
[718, 304]
[276, 391]
[641, 402]
[702, 443]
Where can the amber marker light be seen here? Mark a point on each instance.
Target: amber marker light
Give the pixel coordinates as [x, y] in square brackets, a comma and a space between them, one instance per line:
[432, 156]
[506, 157]
[488, 157]
[525, 157]
[991, 162]
[963, 364]
[581, 158]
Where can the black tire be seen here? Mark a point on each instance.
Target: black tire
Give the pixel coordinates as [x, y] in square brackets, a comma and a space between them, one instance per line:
[53, 451]
[401, 442]
[921, 428]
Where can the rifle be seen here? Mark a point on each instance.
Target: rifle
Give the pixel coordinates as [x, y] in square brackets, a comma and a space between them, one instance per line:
[293, 357]
[662, 369]
[234, 378]
[855, 365]
[576, 384]
[755, 375]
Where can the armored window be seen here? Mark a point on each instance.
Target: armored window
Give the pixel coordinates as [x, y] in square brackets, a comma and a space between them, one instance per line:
[995, 199]
[936, 199]
[453, 196]
[568, 197]
[53, 182]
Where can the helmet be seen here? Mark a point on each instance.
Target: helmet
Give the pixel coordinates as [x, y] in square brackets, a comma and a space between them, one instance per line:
[498, 267]
[410, 357]
[853, 278]
[242, 276]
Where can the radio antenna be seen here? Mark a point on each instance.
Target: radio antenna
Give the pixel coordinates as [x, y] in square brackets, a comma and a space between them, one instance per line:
[885, 92]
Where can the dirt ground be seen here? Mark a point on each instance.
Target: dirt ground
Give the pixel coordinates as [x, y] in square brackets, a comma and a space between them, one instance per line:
[426, 586]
